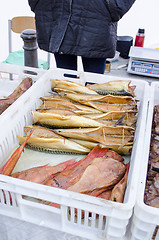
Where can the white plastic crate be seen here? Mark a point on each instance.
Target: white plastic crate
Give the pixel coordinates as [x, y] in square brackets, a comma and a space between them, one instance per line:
[17, 73]
[146, 218]
[109, 220]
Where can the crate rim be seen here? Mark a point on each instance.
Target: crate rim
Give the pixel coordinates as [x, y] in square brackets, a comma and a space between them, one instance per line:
[140, 205]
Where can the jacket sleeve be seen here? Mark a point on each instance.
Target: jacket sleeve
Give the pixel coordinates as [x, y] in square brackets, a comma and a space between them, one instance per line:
[32, 4]
[118, 8]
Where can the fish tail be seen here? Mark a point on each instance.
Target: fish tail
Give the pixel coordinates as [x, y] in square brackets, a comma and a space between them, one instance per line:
[10, 164]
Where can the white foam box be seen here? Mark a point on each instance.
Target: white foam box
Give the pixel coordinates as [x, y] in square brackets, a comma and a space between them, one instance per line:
[146, 218]
[108, 220]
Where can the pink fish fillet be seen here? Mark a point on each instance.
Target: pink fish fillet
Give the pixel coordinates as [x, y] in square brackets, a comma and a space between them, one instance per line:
[73, 173]
[117, 194]
[42, 173]
[102, 173]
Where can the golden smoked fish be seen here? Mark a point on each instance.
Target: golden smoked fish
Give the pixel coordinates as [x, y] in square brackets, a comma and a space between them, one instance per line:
[63, 112]
[46, 140]
[52, 102]
[68, 85]
[63, 121]
[123, 131]
[105, 103]
[117, 87]
[103, 107]
[57, 103]
[109, 99]
[115, 118]
[111, 137]
[124, 150]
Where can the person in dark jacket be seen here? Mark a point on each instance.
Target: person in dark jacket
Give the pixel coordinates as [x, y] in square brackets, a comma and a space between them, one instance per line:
[86, 28]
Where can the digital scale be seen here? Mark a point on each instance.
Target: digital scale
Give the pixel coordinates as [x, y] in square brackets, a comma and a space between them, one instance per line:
[144, 61]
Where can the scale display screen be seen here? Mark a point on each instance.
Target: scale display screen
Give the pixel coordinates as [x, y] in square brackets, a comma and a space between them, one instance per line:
[145, 67]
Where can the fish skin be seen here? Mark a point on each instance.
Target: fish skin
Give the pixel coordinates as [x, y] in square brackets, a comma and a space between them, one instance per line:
[73, 174]
[108, 170]
[57, 180]
[52, 102]
[46, 140]
[118, 87]
[23, 86]
[83, 109]
[117, 193]
[61, 102]
[105, 194]
[124, 150]
[106, 135]
[69, 85]
[119, 138]
[115, 118]
[108, 99]
[42, 173]
[116, 123]
[113, 115]
[58, 120]
[64, 112]
[114, 155]
[76, 107]
[105, 103]
[12, 161]
[57, 144]
[40, 132]
[106, 130]
[112, 107]
[62, 91]
[111, 85]
[5, 103]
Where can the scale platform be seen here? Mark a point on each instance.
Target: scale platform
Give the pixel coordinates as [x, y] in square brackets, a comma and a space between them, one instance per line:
[144, 61]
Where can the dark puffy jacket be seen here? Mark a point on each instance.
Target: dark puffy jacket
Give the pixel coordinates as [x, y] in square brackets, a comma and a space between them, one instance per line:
[80, 27]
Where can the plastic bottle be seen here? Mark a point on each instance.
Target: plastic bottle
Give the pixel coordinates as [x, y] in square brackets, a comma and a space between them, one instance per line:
[140, 37]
